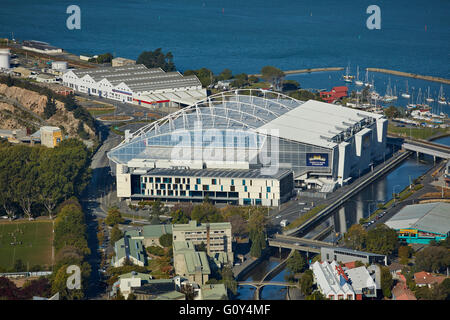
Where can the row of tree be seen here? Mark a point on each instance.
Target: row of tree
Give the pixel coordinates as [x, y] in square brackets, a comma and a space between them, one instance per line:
[36, 179]
[71, 249]
[381, 239]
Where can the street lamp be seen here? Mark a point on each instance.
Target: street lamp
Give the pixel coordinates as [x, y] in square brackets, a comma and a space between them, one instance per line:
[395, 195]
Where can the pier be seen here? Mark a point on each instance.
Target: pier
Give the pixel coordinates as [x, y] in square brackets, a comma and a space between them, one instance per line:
[410, 75]
[309, 70]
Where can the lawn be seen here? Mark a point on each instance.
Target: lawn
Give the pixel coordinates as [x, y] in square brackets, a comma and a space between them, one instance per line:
[416, 133]
[33, 243]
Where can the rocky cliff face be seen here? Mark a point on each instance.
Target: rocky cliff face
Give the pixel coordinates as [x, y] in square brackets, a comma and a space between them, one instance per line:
[18, 102]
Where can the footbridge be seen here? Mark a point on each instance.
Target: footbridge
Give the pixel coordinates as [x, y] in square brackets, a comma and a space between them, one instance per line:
[426, 147]
[422, 146]
[258, 285]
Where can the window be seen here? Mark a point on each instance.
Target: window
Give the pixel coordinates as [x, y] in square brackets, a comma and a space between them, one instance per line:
[243, 182]
[232, 182]
[268, 189]
[199, 181]
[214, 181]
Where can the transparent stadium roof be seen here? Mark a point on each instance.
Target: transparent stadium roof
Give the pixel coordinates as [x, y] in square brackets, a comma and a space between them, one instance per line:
[254, 114]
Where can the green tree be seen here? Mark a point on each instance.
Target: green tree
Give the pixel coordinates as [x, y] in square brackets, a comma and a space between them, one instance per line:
[157, 59]
[50, 107]
[178, 216]
[116, 234]
[166, 240]
[273, 75]
[403, 254]
[306, 282]
[382, 240]
[391, 112]
[433, 259]
[225, 75]
[104, 58]
[19, 266]
[316, 295]
[296, 263]
[114, 217]
[355, 237]
[386, 282]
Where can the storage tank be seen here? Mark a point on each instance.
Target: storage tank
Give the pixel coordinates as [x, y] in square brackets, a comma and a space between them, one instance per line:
[4, 58]
[59, 65]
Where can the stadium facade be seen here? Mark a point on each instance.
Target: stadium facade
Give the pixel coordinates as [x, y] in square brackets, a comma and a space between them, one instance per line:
[248, 147]
[137, 84]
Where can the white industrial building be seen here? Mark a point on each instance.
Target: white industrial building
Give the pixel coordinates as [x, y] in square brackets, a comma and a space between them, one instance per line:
[248, 149]
[5, 55]
[40, 47]
[137, 84]
[332, 281]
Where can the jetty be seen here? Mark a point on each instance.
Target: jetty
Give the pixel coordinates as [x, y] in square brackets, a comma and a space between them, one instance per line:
[410, 75]
[309, 70]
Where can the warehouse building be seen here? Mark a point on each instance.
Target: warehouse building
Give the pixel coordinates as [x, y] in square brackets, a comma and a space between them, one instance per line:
[232, 135]
[40, 47]
[421, 223]
[137, 84]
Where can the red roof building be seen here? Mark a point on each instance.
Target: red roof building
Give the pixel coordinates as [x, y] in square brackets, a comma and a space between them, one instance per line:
[335, 94]
[423, 278]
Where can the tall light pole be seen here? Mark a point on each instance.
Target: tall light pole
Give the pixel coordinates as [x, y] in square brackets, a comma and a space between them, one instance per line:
[395, 195]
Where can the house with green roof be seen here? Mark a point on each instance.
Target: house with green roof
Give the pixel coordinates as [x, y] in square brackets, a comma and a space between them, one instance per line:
[128, 248]
[158, 289]
[213, 292]
[130, 280]
[191, 264]
[150, 234]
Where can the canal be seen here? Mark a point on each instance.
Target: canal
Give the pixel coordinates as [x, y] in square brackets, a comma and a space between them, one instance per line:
[360, 205]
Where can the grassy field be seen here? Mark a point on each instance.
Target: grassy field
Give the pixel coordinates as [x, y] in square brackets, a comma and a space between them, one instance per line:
[416, 133]
[33, 243]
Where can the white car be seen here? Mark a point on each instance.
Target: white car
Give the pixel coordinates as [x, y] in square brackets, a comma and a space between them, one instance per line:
[277, 217]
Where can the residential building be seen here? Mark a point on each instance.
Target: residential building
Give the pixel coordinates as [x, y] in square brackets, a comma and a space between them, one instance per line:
[130, 249]
[150, 234]
[189, 263]
[421, 223]
[332, 281]
[362, 283]
[217, 237]
[213, 292]
[158, 289]
[335, 94]
[428, 279]
[128, 281]
[401, 291]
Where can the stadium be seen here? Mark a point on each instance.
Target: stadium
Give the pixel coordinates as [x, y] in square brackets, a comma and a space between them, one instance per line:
[248, 147]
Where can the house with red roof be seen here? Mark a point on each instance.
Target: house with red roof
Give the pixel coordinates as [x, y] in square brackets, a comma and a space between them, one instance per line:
[335, 94]
[424, 278]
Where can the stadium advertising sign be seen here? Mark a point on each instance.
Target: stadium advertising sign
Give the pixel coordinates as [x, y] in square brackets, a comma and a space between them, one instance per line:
[317, 159]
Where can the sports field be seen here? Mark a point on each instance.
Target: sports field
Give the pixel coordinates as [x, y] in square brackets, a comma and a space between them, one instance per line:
[30, 241]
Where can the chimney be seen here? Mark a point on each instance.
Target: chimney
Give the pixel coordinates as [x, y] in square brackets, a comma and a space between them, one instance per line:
[207, 239]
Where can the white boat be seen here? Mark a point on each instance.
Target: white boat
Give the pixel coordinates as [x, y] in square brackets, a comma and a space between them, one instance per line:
[358, 82]
[389, 96]
[366, 81]
[347, 77]
[429, 99]
[441, 98]
[406, 94]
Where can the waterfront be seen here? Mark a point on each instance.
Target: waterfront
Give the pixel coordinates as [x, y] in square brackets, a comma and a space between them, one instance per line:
[245, 36]
[360, 205]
